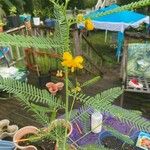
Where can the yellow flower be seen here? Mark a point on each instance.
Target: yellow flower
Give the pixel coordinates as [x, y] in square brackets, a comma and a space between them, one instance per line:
[59, 73]
[77, 63]
[80, 17]
[67, 59]
[76, 89]
[70, 62]
[89, 25]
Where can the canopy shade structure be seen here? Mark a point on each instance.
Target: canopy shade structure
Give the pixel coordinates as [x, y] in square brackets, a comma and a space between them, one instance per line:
[118, 22]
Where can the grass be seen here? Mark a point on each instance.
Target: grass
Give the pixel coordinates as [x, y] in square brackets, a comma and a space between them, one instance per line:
[105, 48]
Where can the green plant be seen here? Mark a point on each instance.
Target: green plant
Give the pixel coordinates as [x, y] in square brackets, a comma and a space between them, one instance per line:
[46, 61]
[89, 3]
[48, 12]
[42, 103]
[30, 97]
[44, 64]
[37, 12]
[94, 147]
[61, 37]
[2, 13]
[1, 23]
[13, 11]
[42, 8]
[8, 4]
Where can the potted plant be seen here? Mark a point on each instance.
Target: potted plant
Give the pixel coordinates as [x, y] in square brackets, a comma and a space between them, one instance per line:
[23, 17]
[45, 63]
[36, 18]
[13, 19]
[57, 130]
[49, 21]
[43, 66]
[7, 130]
[21, 136]
[26, 136]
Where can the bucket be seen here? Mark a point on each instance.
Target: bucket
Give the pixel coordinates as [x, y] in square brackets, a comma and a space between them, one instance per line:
[23, 17]
[6, 145]
[36, 21]
[50, 22]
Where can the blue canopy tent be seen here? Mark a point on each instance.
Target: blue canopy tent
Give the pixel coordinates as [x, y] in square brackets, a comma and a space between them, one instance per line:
[117, 22]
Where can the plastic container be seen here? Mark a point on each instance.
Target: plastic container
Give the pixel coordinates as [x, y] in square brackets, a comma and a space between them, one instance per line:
[6, 145]
[96, 122]
[50, 22]
[36, 21]
[23, 17]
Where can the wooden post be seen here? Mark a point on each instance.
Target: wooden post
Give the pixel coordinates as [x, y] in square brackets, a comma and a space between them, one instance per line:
[121, 100]
[11, 53]
[124, 69]
[18, 52]
[76, 42]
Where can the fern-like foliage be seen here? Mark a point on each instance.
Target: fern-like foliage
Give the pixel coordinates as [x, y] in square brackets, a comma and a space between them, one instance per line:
[105, 98]
[28, 41]
[39, 112]
[31, 92]
[103, 102]
[83, 118]
[94, 147]
[102, 99]
[60, 41]
[91, 81]
[129, 117]
[31, 97]
[62, 26]
[118, 135]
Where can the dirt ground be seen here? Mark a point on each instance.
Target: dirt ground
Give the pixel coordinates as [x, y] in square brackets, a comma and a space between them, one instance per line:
[12, 110]
[111, 78]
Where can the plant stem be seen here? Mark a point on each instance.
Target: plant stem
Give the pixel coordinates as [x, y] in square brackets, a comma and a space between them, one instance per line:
[74, 98]
[67, 102]
[66, 4]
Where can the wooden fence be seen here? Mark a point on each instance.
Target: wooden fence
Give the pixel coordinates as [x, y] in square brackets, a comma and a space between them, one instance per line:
[93, 59]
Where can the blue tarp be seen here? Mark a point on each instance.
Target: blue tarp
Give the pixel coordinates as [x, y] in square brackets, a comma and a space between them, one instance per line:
[128, 17]
[118, 21]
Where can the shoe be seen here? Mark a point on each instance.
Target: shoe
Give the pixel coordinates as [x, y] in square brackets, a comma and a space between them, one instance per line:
[134, 83]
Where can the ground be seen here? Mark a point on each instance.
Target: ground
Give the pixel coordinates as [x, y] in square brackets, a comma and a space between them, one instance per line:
[11, 109]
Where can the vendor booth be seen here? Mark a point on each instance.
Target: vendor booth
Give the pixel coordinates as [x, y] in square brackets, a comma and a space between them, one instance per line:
[118, 22]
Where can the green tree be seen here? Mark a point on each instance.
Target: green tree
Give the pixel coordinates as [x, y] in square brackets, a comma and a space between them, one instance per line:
[7, 4]
[89, 3]
[123, 2]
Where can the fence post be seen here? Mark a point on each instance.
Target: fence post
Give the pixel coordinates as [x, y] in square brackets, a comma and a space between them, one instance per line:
[76, 42]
